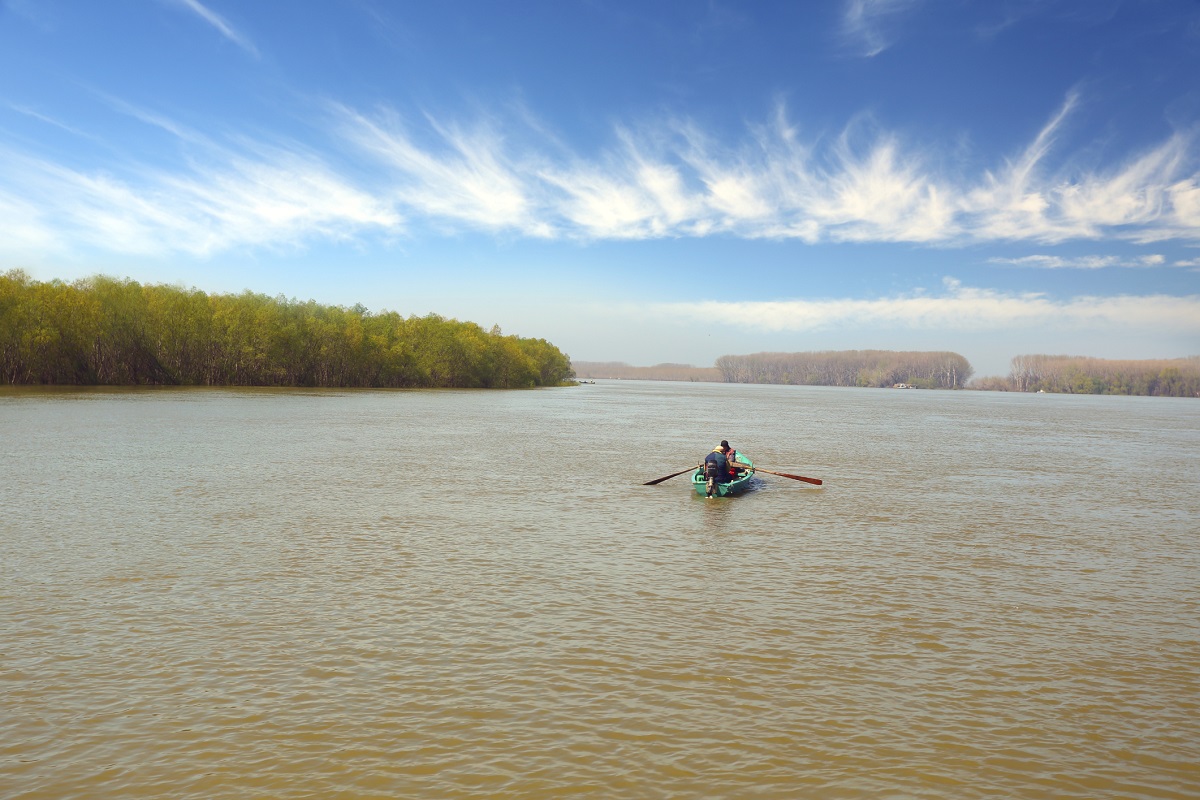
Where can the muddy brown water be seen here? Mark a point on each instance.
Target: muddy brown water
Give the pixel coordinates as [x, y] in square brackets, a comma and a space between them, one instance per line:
[360, 594]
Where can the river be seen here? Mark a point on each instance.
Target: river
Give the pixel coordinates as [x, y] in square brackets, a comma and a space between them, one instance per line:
[212, 593]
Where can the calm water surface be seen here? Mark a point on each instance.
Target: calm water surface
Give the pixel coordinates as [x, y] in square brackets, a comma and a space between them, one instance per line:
[288, 594]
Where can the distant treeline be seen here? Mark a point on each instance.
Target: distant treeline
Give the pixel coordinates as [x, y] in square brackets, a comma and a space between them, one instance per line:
[106, 331]
[659, 372]
[877, 368]
[1176, 377]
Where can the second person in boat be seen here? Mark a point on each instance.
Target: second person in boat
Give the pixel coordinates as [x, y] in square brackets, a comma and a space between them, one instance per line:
[731, 459]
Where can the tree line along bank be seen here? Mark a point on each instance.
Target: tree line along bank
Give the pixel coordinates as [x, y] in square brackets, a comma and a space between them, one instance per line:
[1165, 377]
[862, 368]
[1176, 377]
[105, 331]
[865, 368]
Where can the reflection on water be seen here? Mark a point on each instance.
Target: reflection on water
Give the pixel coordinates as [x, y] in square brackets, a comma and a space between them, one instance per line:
[252, 593]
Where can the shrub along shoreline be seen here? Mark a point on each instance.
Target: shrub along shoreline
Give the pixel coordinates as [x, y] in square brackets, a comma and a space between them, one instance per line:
[110, 332]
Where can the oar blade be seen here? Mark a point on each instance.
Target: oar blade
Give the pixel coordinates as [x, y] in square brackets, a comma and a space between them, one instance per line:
[813, 481]
[667, 477]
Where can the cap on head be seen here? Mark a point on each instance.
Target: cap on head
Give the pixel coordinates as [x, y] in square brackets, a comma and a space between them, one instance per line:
[725, 444]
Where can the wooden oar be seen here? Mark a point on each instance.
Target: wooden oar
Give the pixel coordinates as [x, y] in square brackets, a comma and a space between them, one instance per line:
[668, 477]
[786, 475]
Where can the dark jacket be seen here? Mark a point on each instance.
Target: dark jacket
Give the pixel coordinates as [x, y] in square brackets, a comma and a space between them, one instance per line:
[716, 466]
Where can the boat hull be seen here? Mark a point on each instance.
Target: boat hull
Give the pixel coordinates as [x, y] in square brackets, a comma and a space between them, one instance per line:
[725, 489]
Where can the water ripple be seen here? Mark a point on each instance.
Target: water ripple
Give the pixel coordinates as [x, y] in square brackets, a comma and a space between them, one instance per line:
[256, 594]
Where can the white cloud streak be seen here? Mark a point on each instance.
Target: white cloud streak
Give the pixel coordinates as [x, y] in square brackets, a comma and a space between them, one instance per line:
[957, 308]
[671, 180]
[29, 112]
[869, 25]
[1084, 262]
[279, 199]
[662, 180]
[218, 22]
[470, 180]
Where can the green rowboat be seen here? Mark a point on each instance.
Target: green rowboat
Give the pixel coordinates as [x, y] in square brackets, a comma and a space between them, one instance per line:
[736, 486]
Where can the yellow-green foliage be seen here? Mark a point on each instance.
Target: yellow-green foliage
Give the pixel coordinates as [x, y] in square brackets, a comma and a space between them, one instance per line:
[117, 332]
[1175, 377]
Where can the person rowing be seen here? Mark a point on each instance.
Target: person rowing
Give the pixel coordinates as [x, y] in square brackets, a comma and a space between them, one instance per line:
[716, 467]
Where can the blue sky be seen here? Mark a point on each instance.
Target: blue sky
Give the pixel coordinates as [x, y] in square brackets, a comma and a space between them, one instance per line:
[634, 181]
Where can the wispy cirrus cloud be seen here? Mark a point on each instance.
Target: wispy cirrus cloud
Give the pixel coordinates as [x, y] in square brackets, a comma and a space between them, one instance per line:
[217, 21]
[869, 26]
[35, 114]
[1083, 262]
[467, 177]
[275, 199]
[670, 179]
[956, 308]
[25, 229]
[663, 179]
[1150, 197]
